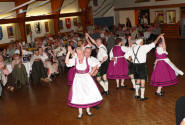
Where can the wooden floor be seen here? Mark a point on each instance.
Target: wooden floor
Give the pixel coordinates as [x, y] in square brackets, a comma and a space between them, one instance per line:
[47, 105]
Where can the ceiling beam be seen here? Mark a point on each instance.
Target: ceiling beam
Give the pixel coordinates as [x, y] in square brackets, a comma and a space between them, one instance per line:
[151, 7]
[17, 0]
[7, 0]
[83, 4]
[56, 7]
[34, 18]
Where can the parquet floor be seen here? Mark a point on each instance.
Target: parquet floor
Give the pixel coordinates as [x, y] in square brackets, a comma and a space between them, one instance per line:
[47, 105]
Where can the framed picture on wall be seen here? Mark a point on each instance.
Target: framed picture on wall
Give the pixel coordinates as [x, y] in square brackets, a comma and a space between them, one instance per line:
[159, 17]
[10, 31]
[1, 33]
[75, 21]
[38, 29]
[171, 16]
[28, 28]
[60, 24]
[46, 27]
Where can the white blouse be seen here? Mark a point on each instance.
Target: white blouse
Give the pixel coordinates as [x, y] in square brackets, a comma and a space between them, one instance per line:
[123, 48]
[91, 61]
[160, 51]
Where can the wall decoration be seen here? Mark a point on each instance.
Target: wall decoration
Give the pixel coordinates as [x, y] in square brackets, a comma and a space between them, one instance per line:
[144, 17]
[37, 28]
[10, 31]
[75, 21]
[159, 17]
[28, 28]
[1, 33]
[171, 16]
[139, 1]
[95, 3]
[68, 22]
[60, 24]
[89, 20]
[46, 27]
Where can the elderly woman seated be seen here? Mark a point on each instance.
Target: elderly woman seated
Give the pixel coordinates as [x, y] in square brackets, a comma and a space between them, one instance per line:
[39, 72]
[60, 53]
[50, 62]
[3, 73]
[18, 75]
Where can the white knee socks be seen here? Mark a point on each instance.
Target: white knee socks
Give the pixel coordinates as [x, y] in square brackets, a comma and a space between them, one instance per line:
[137, 89]
[133, 83]
[159, 89]
[102, 84]
[142, 92]
[80, 111]
[106, 85]
[88, 111]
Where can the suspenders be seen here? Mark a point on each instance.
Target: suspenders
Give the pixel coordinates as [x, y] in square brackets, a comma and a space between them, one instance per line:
[104, 48]
[135, 54]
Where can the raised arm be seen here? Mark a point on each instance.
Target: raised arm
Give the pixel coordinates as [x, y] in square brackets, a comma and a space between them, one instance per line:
[155, 42]
[163, 42]
[68, 54]
[92, 40]
[88, 41]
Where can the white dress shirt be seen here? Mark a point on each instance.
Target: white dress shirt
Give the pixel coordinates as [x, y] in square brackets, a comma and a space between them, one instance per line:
[44, 57]
[102, 53]
[24, 52]
[142, 53]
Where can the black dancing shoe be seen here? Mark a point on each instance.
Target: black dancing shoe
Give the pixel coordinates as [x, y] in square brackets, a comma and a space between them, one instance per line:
[137, 97]
[159, 94]
[96, 107]
[89, 114]
[143, 99]
[124, 86]
[107, 93]
[117, 88]
[132, 89]
[80, 117]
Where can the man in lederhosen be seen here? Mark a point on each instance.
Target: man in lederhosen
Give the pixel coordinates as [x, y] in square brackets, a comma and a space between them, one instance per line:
[138, 56]
[103, 58]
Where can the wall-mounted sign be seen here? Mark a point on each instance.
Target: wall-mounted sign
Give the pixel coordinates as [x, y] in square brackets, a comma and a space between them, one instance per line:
[38, 28]
[10, 31]
[68, 23]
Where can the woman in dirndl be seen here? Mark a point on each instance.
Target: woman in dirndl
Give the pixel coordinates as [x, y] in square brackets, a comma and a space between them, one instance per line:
[83, 92]
[118, 66]
[165, 72]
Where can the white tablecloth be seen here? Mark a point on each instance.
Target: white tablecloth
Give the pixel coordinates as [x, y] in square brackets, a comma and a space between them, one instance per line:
[27, 66]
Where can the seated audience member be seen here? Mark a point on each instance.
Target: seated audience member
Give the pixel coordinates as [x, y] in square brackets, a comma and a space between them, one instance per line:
[19, 74]
[3, 67]
[180, 111]
[51, 63]
[39, 72]
[44, 57]
[10, 50]
[3, 81]
[60, 53]
[134, 34]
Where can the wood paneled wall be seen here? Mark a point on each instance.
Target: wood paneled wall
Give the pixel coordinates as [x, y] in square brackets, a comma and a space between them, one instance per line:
[170, 30]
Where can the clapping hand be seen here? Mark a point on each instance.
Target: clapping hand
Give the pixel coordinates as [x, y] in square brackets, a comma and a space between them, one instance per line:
[69, 49]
